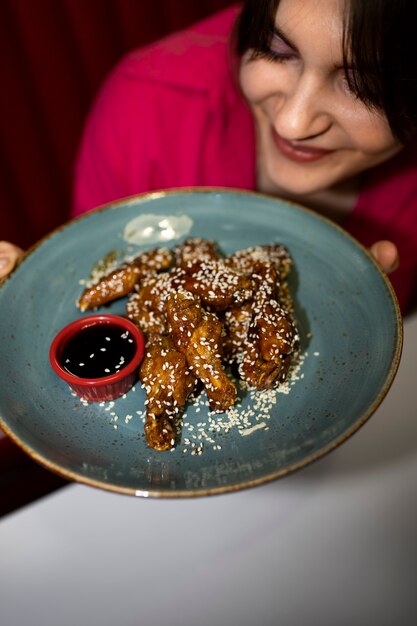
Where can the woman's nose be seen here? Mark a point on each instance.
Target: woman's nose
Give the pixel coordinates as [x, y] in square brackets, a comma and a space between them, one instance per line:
[302, 110]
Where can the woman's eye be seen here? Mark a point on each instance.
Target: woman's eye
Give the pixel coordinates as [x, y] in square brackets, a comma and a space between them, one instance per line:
[278, 49]
[348, 83]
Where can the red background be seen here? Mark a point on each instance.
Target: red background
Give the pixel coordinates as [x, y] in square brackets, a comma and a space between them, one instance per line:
[54, 56]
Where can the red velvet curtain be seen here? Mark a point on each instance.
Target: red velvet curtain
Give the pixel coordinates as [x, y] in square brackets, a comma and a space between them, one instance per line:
[55, 54]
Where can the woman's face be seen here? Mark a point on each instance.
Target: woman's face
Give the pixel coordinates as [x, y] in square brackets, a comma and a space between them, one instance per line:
[312, 132]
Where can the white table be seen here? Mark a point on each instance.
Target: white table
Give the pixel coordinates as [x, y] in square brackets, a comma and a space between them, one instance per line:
[333, 545]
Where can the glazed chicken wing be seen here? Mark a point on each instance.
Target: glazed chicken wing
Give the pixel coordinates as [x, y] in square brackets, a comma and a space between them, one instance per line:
[237, 319]
[197, 334]
[195, 250]
[217, 285]
[270, 342]
[147, 306]
[275, 253]
[236, 322]
[123, 279]
[168, 382]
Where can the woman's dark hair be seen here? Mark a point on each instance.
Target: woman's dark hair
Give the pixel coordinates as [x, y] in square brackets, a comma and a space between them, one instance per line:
[380, 41]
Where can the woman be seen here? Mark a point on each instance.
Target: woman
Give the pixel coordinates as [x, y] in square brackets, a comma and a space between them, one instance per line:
[310, 100]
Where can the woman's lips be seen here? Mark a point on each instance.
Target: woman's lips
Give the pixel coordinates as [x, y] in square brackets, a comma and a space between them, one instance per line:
[297, 152]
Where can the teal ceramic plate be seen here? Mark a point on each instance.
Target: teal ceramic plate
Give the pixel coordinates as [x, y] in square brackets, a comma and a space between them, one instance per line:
[351, 339]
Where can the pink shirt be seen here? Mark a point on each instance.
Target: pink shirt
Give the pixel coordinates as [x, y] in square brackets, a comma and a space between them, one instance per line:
[171, 115]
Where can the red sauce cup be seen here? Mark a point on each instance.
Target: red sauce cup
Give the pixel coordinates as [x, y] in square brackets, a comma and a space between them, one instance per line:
[108, 387]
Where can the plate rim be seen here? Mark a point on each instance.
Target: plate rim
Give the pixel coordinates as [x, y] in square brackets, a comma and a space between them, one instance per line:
[238, 486]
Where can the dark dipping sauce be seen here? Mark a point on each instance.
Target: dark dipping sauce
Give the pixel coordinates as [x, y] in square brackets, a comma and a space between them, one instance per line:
[98, 351]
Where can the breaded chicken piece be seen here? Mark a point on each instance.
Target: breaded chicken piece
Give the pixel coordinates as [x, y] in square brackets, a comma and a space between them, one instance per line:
[271, 340]
[168, 381]
[197, 334]
[217, 285]
[122, 280]
[195, 250]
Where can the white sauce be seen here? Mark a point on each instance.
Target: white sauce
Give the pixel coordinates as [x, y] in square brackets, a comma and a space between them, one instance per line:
[151, 229]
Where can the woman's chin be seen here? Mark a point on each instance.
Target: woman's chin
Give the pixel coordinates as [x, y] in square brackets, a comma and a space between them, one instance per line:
[295, 193]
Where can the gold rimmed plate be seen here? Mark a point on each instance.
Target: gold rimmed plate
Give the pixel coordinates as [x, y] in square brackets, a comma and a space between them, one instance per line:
[351, 340]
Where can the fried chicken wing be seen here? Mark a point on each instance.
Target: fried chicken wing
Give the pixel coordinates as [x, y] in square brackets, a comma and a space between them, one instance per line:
[197, 334]
[151, 321]
[146, 307]
[217, 285]
[271, 340]
[168, 382]
[122, 280]
[195, 250]
[236, 322]
[237, 319]
[269, 263]
[274, 253]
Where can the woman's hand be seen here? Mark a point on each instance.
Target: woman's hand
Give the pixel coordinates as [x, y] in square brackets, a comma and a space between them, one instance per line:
[9, 255]
[386, 255]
